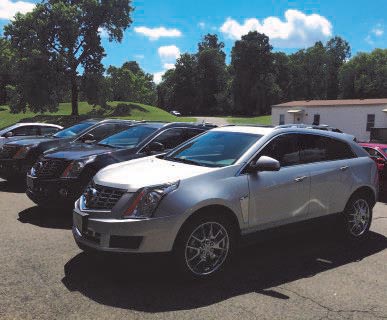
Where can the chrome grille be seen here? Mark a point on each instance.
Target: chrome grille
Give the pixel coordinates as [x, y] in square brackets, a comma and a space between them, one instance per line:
[50, 168]
[101, 197]
[9, 151]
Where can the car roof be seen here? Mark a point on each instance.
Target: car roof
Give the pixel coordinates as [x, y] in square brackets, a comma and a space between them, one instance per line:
[42, 124]
[245, 129]
[373, 144]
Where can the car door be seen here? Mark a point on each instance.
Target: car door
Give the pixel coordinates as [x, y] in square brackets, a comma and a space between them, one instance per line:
[282, 196]
[326, 160]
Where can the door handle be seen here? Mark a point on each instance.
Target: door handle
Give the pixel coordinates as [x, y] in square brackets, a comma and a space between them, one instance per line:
[343, 168]
[299, 179]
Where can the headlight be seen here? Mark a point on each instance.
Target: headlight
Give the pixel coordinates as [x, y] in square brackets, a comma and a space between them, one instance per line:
[146, 200]
[75, 168]
[22, 152]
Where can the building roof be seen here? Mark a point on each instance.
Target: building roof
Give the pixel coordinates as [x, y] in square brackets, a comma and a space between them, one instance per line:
[342, 102]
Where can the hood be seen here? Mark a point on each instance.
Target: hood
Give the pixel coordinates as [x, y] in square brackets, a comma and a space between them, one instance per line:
[31, 141]
[78, 151]
[16, 138]
[135, 174]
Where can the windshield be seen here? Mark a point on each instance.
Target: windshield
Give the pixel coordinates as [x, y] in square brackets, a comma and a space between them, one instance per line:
[74, 130]
[214, 149]
[128, 138]
[385, 150]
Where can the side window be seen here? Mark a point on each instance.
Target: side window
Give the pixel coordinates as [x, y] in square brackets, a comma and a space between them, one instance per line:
[315, 148]
[105, 130]
[26, 131]
[171, 138]
[370, 121]
[48, 130]
[373, 153]
[284, 148]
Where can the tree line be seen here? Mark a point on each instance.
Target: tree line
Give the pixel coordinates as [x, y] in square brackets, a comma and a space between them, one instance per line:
[257, 77]
[53, 54]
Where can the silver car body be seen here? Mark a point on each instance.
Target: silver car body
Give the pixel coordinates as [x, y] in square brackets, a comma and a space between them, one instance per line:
[258, 201]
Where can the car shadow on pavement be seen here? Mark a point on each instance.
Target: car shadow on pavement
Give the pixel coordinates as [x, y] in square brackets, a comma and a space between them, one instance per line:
[47, 218]
[14, 187]
[149, 283]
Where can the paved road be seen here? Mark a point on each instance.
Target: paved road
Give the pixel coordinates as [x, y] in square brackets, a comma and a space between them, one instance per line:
[214, 120]
[308, 275]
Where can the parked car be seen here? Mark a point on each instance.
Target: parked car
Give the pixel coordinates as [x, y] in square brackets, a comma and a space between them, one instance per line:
[201, 198]
[378, 152]
[175, 113]
[22, 130]
[17, 157]
[60, 176]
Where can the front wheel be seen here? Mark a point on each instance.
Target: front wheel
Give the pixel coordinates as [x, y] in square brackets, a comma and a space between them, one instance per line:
[204, 246]
[358, 216]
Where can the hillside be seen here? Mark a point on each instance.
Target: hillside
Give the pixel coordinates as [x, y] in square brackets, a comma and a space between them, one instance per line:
[126, 110]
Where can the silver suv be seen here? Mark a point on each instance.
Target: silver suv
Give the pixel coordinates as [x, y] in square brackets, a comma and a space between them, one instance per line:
[200, 199]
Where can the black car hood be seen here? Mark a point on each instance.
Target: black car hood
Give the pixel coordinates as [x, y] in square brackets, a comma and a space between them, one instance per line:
[78, 151]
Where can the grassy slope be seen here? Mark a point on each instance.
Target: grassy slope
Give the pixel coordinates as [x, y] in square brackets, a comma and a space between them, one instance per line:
[253, 120]
[140, 112]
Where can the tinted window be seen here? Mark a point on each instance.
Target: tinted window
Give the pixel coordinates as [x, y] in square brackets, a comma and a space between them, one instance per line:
[316, 148]
[73, 130]
[171, 138]
[215, 148]
[284, 148]
[190, 133]
[373, 153]
[48, 130]
[105, 130]
[128, 138]
[26, 131]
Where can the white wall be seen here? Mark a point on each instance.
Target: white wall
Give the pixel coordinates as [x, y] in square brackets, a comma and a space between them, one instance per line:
[349, 119]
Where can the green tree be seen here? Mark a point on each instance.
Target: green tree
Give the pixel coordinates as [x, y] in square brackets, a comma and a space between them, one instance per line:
[66, 35]
[212, 75]
[252, 63]
[6, 67]
[338, 51]
[365, 75]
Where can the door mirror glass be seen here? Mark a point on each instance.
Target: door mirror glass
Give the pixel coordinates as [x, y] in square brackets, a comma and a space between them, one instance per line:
[9, 134]
[265, 163]
[88, 138]
[154, 147]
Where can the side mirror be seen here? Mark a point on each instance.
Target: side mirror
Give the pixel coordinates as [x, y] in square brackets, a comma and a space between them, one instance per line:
[9, 134]
[154, 147]
[88, 138]
[265, 163]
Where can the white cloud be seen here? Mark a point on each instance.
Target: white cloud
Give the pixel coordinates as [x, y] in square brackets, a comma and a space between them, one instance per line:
[378, 30]
[8, 8]
[157, 77]
[202, 25]
[369, 40]
[139, 56]
[168, 53]
[168, 66]
[156, 33]
[298, 29]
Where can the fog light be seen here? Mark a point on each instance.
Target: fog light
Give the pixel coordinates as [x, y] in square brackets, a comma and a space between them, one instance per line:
[63, 192]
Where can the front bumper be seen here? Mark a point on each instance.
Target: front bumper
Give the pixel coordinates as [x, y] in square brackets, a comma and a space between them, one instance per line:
[14, 168]
[53, 191]
[125, 235]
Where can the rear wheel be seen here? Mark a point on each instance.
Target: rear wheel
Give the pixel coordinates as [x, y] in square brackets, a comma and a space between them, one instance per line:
[358, 216]
[204, 246]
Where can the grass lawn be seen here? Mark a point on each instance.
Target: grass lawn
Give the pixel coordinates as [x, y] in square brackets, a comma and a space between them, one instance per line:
[135, 111]
[252, 120]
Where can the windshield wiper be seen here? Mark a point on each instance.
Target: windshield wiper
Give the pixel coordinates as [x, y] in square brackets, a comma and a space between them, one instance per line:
[182, 160]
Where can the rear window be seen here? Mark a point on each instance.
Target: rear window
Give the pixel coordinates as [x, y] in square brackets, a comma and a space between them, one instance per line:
[73, 130]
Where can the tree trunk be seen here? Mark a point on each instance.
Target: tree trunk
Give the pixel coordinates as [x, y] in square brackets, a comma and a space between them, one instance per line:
[74, 95]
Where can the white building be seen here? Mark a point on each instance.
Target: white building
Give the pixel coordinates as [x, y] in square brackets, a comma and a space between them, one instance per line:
[353, 116]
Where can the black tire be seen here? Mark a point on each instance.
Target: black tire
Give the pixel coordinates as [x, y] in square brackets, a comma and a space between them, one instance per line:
[352, 217]
[181, 252]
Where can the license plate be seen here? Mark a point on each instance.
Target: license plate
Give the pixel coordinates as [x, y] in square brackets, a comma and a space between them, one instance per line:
[30, 183]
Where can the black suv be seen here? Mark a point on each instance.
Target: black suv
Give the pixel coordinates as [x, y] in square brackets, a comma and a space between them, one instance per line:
[17, 157]
[61, 175]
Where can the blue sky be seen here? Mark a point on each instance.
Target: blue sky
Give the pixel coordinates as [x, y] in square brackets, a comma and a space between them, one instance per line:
[163, 29]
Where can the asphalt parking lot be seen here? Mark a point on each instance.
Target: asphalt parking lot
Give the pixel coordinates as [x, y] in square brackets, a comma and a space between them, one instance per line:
[310, 274]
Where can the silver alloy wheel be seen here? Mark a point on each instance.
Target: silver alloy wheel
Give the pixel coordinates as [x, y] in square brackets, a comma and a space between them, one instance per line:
[207, 248]
[359, 218]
